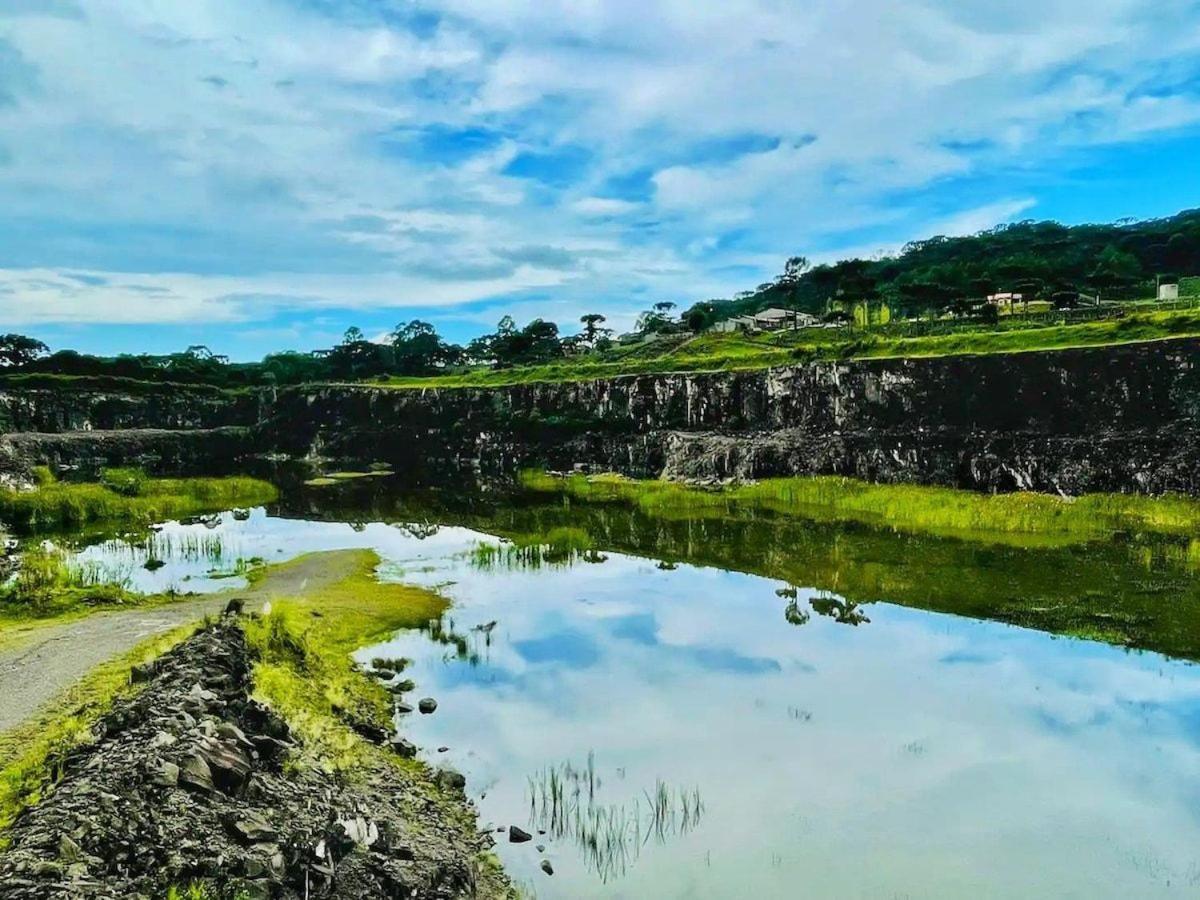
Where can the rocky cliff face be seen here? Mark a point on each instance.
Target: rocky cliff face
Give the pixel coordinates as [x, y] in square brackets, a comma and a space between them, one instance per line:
[1115, 418]
[68, 407]
[1123, 418]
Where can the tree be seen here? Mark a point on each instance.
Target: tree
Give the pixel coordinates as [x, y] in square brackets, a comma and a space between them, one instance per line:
[793, 270]
[1115, 269]
[19, 350]
[356, 357]
[657, 319]
[418, 350]
[592, 330]
[508, 346]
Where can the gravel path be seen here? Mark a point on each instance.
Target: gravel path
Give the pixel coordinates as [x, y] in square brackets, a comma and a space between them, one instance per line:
[52, 658]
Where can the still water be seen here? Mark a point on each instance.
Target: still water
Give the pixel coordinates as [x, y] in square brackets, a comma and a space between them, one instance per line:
[684, 714]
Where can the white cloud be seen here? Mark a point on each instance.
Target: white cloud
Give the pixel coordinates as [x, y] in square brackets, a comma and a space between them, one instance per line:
[253, 154]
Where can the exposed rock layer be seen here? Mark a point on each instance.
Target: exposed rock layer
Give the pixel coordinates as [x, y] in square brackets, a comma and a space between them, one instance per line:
[1119, 418]
[1115, 418]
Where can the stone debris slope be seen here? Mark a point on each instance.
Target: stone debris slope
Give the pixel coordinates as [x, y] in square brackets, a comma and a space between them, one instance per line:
[188, 781]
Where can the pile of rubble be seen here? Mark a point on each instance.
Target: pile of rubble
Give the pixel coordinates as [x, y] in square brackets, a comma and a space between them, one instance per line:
[187, 782]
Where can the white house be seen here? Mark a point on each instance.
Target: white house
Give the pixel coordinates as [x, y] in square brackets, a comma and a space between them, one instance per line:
[773, 319]
[737, 323]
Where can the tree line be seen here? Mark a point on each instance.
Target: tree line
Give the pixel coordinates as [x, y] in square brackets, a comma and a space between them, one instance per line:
[939, 275]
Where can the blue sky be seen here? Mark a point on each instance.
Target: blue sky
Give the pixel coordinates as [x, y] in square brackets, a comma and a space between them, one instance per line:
[260, 174]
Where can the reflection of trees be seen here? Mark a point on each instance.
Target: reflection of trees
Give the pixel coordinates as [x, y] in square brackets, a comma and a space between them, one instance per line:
[418, 530]
[564, 804]
[794, 614]
[442, 631]
[844, 612]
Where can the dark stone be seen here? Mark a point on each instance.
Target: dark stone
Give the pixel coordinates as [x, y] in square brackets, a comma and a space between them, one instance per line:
[196, 774]
[403, 747]
[546, 867]
[229, 765]
[518, 835]
[142, 673]
[426, 705]
[451, 780]
[250, 827]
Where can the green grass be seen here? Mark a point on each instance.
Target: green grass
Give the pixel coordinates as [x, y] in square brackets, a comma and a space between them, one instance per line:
[32, 755]
[1023, 517]
[737, 352]
[305, 671]
[48, 584]
[128, 497]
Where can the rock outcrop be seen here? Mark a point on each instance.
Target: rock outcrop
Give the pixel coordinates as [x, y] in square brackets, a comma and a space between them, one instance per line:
[1123, 418]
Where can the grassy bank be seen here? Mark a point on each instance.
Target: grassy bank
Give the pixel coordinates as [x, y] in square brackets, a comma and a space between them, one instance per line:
[31, 756]
[126, 497]
[304, 644]
[736, 352]
[1018, 517]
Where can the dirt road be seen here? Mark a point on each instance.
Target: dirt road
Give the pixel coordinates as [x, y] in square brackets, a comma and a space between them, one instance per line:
[50, 658]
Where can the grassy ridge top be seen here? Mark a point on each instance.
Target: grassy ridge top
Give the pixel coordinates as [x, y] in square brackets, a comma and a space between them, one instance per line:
[715, 352]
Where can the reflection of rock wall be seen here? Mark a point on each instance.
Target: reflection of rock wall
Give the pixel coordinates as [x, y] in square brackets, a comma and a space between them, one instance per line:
[1122, 418]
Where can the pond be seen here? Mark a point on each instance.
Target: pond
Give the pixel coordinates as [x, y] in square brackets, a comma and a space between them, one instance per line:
[729, 707]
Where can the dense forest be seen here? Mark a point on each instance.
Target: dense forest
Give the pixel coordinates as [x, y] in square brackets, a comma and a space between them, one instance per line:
[936, 276]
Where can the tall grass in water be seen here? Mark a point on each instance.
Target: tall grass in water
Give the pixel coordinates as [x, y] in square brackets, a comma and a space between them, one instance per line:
[127, 497]
[564, 802]
[914, 508]
[49, 578]
[558, 547]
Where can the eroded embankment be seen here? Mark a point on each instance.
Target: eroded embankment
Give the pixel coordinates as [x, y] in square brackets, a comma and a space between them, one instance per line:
[188, 782]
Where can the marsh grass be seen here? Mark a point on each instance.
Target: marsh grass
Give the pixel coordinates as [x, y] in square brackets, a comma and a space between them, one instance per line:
[57, 505]
[557, 548]
[50, 580]
[1021, 517]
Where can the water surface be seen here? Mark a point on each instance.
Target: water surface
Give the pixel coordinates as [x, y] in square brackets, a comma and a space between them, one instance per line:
[711, 708]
